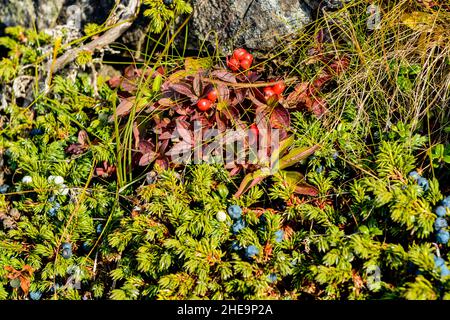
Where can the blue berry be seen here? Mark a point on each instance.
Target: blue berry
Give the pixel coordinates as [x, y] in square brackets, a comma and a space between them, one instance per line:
[66, 253]
[4, 188]
[35, 295]
[234, 211]
[440, 223]
[235, 246]
[51, 199]
[446, 202]
[279, 236]
[99, 228]
[444, 271]
[262, 219]
[272, 277]
[238, 226]
[440, 211]
[66, 245]
[414, 175]
[438, 261]
[319, 169]
[57, 287]
[36, 132]
[423, 183]
[442, 236]
[335, 155]
[251, 251]
[52, 212]
[86, 246]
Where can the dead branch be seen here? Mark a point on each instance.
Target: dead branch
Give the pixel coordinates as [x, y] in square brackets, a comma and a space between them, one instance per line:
[125, 16]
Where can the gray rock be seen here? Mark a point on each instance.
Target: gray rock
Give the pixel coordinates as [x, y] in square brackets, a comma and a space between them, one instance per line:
[255, 24]
[44, 14]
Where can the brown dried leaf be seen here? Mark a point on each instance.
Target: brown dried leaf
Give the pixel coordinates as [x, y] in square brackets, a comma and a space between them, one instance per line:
[24, 284]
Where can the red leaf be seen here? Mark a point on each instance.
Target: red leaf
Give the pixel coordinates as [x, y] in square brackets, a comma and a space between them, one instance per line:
[161, 70]
[166, 102]
[145, 146]
[257, 102]
[252, 76]
[162, 163]
[131, 72]
[182, 147]
[197, 85]
[125, 106]
[280, 118]
[221, 125]
[163, 146]
[128, 86]
[319, 107]
[165, 136]
[251, 180]
[306, 189]
[147, 158]
[320, 82]
[240, 96]
[235, 171]
[114, 82]
[340, 65]
[183, 89]
[224, 76]
[183, 130]
[224, 92]
[82, 138]
[136, 135]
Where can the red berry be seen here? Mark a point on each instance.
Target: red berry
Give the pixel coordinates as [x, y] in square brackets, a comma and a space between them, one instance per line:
[204, 104]
[245, 64]
[248, 56]
[239, 53]
[268, 92]
[254, 129]
[233, 64]
[279, 87]
[212, 95]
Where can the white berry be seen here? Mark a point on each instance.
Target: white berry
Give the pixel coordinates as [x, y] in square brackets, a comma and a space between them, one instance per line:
[27, 179]
[58, 180]
[221, 216]
[63, 190]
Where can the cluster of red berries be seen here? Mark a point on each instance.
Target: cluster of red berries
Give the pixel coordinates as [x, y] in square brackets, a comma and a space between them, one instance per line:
[274, 91]
[205, 104]
[240, 59]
